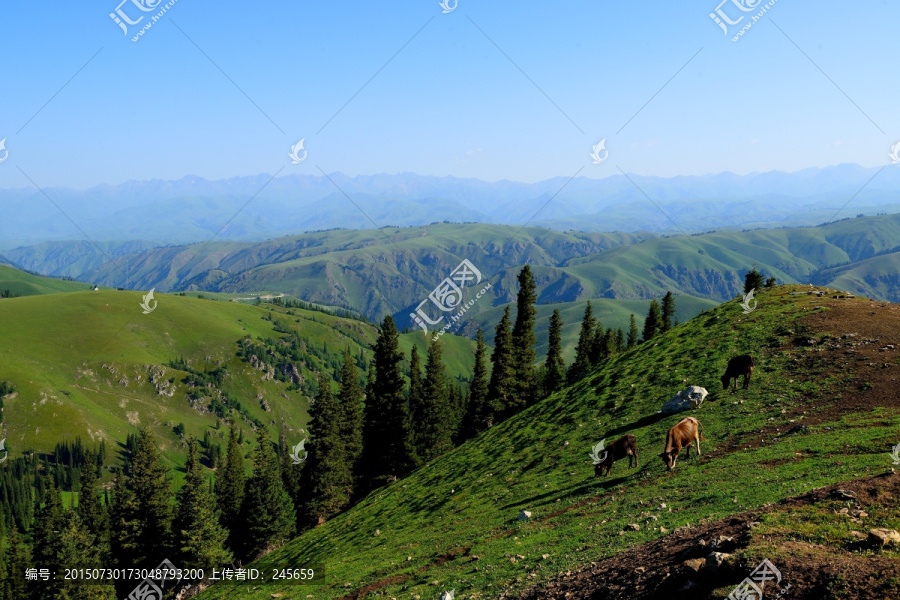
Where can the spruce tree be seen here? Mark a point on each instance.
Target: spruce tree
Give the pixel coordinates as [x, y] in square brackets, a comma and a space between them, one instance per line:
[668, 312]
[152, 487]
[555, 367]
[584, 347]
[620, 340]
[350, 399]
[49, 544]
[523, 342]
[267, 512]
[14, 586]
[90, 507]
[290, 473]
[80, 551]
[326, 478]
[753, 281]
[389, 452]
[502, 383]
[199, 537]
[475, 419]
[417, 406]
[124, 527]
[435, 432]
[632, 332]
[230, 487]
[653, 322]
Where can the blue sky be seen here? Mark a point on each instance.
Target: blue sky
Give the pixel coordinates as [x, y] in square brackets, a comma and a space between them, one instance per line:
[450, 102]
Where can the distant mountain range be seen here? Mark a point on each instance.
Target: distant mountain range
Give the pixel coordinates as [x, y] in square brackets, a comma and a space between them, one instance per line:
[391, 271]
[194, 209]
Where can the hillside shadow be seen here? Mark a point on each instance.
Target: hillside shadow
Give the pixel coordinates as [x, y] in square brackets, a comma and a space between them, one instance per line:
[642, 422]
[598, 487]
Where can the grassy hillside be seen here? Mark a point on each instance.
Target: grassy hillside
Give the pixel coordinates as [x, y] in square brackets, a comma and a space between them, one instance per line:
[90, 364]
[452, 524]
[20, 283]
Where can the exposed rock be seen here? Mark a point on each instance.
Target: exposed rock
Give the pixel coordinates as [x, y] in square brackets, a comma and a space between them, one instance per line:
[714, 560]
[524, 515]
[686, 399]
[694, 564]
[883, 537]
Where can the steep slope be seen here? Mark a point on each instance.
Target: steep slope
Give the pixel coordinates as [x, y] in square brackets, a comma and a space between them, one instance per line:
[452, 524]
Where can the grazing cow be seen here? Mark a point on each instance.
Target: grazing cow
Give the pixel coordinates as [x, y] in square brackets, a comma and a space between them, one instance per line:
[680, 436]
[622, 447]
[737, 366]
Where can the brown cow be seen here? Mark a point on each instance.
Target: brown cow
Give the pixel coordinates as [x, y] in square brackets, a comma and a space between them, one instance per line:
[737, 366]
[622, 447]
[680, 436]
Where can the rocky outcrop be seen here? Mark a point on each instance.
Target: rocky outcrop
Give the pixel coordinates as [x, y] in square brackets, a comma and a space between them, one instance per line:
[692, 397]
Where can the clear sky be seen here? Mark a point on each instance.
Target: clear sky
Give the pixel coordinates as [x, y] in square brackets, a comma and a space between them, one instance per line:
[438, 94]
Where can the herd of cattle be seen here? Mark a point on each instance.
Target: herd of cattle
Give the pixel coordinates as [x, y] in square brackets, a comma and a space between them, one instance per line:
[683, 433]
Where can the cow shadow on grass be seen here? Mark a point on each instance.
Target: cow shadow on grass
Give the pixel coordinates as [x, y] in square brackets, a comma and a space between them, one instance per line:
[640, 423]
[596, 487]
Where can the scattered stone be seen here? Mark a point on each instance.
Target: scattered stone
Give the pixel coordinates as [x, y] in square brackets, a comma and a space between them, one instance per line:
[377, 532]
[859, 535]
[883, 537]
[662, 506]
[844, 494]
[545, 556]
[632, 527]
[694, 564]
[714, 560]
[640, 570]
[724, 543]
[524, 515]
[663, 530]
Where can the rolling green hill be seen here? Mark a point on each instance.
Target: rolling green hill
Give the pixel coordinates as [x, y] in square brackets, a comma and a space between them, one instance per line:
[452, 524]
[392, 270]
[20, 283]
[91, 364]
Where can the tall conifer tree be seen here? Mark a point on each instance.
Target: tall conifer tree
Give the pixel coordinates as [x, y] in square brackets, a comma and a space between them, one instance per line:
[584, 347]
[350, 399]
[475, 419]
[555, 367]
[502, 383]
[668, 312]
[632, 332]
[230, 487]
[523, 342]
[152, 487]
[435, 432]
[326, 478]
[654, 321]
[267, 512]
[199, 537]
[387, 441]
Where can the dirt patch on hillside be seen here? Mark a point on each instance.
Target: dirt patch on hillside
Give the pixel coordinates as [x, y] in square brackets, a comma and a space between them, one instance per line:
[676, 566]
[856, 338]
